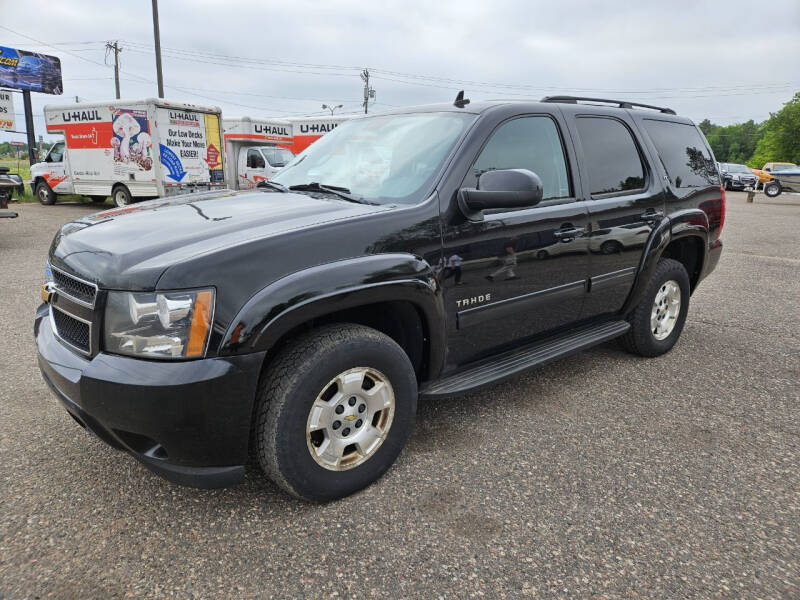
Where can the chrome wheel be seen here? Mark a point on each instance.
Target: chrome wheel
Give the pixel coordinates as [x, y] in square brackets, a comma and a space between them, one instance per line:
[350, 418]
[666, 308]
[120, 197]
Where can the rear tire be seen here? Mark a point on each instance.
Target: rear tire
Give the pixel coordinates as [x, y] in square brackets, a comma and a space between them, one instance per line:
[45, 195]
[655, 328]
[310, 398]
[121, 196]
[773, 189]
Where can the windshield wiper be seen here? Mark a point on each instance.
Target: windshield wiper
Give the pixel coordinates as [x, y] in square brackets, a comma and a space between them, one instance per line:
[272, 184]
[336, 190]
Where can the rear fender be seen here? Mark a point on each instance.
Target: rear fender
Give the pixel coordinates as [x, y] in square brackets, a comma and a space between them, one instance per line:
[318, 291]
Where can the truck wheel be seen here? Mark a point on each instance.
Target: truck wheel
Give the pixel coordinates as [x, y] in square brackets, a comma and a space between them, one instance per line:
[45, 194]
[121, 196]
[657, 321]
[98, 199]
[773, 189]
[333, 411]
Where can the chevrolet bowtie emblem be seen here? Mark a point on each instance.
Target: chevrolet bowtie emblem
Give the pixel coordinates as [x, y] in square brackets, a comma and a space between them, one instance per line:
[350, 418]
[47, 293]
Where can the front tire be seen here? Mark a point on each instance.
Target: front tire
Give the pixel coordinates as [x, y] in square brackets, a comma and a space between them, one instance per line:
[773, 189]
[658, 319]
[121, 196]
[45, 195]
[334, 410]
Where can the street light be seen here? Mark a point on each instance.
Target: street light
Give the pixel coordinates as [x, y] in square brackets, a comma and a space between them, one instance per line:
[331, 107]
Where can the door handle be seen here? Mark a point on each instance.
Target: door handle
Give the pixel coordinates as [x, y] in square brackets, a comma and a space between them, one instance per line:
[571, 233]
[652, 215]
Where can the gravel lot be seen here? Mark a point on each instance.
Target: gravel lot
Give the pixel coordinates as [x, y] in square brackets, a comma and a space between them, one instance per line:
[602, 475]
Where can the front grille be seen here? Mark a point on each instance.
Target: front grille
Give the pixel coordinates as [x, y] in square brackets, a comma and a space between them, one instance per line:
[78, 289]
[74, 332]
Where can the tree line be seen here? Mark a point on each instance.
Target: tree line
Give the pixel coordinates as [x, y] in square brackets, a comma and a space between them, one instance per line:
[775, 140]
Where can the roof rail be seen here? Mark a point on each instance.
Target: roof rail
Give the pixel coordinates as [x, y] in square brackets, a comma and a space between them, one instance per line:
[619, 103]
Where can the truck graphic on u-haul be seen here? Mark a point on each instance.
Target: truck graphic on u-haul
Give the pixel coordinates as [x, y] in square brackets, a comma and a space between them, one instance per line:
[130, 150]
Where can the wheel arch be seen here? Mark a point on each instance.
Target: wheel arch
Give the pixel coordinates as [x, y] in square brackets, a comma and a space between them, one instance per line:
[396, 294]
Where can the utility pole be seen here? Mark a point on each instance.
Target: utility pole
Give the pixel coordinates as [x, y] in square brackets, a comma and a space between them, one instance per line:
[157, 38]
[116, 50]
[368, 91]
[26, 102]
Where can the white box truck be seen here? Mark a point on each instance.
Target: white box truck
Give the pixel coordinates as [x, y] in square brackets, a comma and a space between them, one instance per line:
[130, 150]
[255, 149]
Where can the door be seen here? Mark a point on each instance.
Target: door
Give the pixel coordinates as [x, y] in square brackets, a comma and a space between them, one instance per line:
[518, 273]
[626, 202]
[57, 174]
[254, 168]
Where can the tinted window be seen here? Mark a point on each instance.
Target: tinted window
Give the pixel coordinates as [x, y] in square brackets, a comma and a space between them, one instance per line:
[255, 160]
[612, 160]
[529, 143]
[683, 153]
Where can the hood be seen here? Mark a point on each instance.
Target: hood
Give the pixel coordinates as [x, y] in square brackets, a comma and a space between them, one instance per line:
[129, 248]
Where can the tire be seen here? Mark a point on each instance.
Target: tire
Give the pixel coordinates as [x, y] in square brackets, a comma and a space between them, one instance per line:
[98, 199]
[121, 196]
[542, 254]
[610, 247]
[641, 338]
[45, 195]
[773, 189]
[303, 376]
[727, 186]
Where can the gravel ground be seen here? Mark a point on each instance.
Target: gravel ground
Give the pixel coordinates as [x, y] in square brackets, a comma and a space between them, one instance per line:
[603, 475]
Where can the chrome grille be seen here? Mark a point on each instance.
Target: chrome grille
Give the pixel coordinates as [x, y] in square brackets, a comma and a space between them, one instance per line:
[75, 332]
[79, 290]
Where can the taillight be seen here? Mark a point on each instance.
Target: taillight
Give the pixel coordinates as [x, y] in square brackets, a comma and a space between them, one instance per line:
[723, 207]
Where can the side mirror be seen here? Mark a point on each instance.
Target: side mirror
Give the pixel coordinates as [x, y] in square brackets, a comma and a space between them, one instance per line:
[507, 188]
[768, 170]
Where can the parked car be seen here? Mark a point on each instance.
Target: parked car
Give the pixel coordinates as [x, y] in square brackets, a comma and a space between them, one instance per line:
[299, 322]
[736, 176]
[783, 178]
[765, 173]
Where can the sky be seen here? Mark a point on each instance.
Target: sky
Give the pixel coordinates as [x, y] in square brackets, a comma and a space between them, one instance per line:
[728, 61]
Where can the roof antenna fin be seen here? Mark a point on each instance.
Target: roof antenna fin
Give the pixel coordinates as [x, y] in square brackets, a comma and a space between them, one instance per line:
[461, 102]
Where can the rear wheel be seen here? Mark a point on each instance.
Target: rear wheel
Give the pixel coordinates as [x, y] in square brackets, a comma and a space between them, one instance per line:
[334, 410]
[45, 194]
[121, 196]
[773, 189]
[657, 321]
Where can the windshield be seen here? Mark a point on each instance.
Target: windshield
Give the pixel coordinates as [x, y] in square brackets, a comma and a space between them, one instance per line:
[783, 167]
[277, 157]
[385, 159]
[738, 169]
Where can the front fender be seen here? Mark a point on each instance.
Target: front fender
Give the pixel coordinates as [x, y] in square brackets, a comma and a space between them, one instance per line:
[317, 291]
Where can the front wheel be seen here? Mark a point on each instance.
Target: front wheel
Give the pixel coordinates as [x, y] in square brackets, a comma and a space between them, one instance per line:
[121, 196]
[45, 194]
[334, 410]
[658, 319]
[773, 189]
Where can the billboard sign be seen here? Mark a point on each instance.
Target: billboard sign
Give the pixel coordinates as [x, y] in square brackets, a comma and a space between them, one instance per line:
[30, 71]
[6, 111]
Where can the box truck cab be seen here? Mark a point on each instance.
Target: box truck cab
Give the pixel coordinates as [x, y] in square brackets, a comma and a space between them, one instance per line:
[130, 150]
[255, 149]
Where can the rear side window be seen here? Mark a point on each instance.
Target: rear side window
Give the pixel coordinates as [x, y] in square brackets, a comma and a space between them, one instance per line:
[611, 156]
[683, 153]
[529, 143]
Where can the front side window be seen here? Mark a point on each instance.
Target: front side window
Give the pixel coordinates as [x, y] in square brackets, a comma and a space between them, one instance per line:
[385, 159]
[254, 160]
[612, 158]
[531, 143]
[684, 154]
[56, 153]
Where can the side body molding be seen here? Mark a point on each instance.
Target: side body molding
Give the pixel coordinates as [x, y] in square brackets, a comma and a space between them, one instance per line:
[679, 224]
[317, 291]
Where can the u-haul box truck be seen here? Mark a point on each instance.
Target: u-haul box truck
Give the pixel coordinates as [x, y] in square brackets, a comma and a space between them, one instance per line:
[308, 130]
[255, 149]
[130, 150]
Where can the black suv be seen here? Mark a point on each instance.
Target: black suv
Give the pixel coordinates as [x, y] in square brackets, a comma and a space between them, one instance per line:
[423, 252]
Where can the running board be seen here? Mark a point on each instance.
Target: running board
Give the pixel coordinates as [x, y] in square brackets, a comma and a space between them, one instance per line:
[516, 361]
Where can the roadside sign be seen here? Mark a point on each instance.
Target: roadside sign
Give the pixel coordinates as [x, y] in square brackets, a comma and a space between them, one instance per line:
[30, 71]
[19, 144]
[6, 111]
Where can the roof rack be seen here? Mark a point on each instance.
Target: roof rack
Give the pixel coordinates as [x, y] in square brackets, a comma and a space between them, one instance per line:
[619, 103]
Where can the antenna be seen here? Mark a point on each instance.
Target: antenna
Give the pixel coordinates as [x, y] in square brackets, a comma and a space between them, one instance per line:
[461, 102]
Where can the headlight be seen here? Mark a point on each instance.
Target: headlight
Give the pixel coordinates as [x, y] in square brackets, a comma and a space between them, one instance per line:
[159, 325]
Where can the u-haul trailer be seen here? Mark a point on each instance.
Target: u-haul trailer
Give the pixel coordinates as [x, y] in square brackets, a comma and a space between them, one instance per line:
[130, 149]
[255, 149]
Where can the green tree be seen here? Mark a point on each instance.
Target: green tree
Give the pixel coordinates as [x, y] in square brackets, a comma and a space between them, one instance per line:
[781, 139]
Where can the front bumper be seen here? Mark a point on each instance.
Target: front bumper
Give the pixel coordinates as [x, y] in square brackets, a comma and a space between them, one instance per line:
[187, 421]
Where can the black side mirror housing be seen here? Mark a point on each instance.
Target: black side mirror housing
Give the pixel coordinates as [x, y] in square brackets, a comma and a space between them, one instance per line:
[506, 188]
